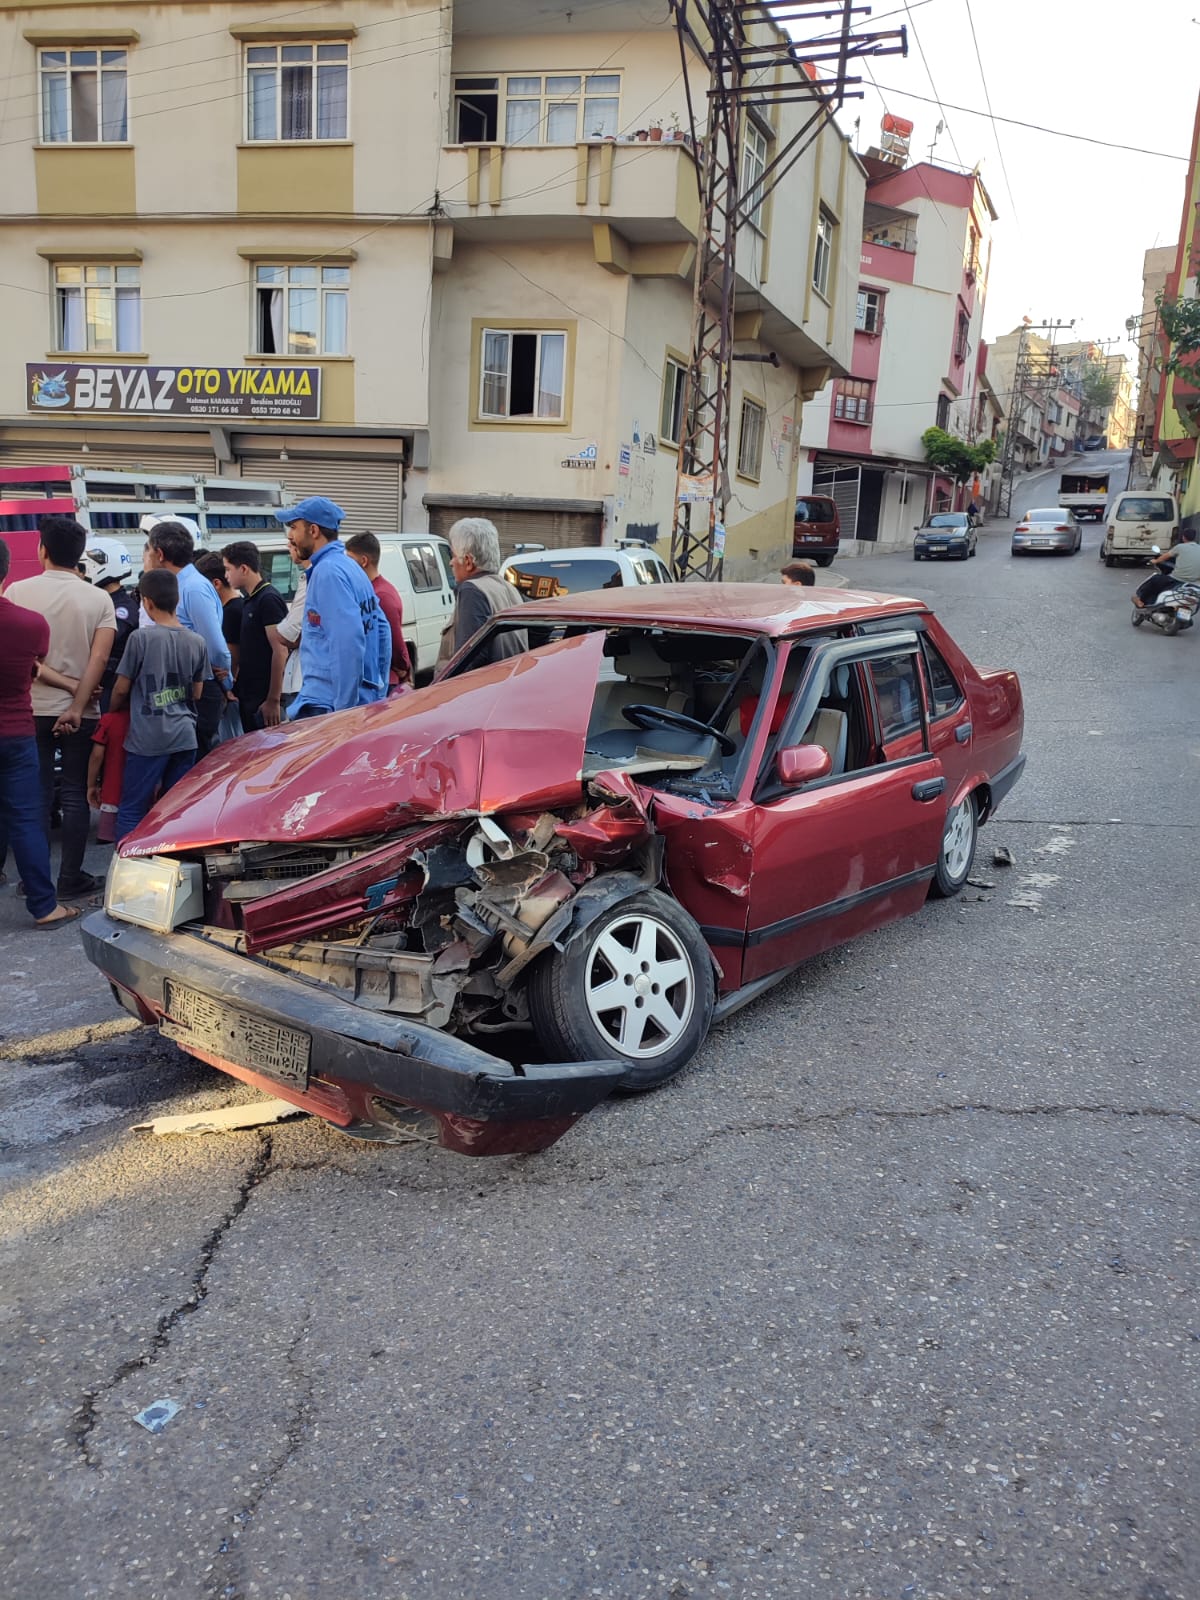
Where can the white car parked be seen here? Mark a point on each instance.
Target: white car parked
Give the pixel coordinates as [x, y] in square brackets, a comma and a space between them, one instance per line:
[542, 574]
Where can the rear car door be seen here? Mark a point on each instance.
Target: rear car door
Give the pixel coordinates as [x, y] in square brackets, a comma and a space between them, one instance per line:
[856, 849]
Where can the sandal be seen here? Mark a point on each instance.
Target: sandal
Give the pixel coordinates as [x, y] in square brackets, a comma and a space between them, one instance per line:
[69, 914]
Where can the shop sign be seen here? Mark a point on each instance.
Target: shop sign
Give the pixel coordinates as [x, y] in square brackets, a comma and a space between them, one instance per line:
[269, 393]
[583, 461]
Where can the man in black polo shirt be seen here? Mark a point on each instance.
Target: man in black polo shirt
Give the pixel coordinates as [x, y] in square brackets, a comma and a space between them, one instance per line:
[260, 669]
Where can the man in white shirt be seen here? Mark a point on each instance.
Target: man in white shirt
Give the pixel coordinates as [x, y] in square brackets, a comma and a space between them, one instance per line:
[83, 626]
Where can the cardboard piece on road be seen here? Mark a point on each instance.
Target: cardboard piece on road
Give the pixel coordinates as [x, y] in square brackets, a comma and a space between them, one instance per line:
[225, 1119]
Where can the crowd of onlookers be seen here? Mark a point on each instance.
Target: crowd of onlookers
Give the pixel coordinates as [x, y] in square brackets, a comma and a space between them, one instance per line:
[108, 695]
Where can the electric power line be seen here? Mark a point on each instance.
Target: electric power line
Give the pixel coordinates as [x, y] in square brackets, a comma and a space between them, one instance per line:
[937, 98]
[987, 97]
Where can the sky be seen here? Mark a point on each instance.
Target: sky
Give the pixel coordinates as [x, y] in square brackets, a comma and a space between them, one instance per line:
[1074, 219]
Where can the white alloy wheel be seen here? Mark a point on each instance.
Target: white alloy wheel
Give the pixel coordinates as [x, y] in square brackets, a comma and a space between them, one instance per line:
[958, 840]
[640, 987]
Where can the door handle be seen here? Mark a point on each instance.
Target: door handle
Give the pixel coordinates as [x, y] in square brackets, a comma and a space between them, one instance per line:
[928, 788]
[963, 732]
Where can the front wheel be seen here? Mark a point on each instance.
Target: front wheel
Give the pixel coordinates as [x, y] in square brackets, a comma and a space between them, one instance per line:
[958, 850]
[1138, 617]
[637, 986]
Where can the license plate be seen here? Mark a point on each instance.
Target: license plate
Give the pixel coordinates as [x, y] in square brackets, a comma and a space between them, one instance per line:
[235, 1036]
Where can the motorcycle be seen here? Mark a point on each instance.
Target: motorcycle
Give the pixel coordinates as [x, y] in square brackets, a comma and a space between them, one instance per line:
[1172, 610]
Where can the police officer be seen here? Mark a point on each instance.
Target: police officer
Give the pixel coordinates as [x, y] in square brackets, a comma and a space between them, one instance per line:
[106, 564]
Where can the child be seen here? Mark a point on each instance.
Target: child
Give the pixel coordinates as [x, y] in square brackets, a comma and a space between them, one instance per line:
[106, 770]
[160, 679]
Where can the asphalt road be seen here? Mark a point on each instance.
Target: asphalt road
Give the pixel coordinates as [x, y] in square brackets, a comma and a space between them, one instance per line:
[890, 1297]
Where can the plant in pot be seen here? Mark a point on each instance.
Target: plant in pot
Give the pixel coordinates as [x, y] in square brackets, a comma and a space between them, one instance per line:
[676, 132]
[642, 135]
[656, 132]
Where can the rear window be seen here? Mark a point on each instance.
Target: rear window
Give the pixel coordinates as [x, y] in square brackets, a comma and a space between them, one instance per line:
[1146, 508]
[423, 569]
[544, 579]
[1055, 514]
[815, 510]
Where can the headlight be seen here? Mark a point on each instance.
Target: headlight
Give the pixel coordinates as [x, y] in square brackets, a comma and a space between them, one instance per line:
[154, 891]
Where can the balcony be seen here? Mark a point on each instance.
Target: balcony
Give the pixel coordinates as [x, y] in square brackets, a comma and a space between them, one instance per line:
[646, 192]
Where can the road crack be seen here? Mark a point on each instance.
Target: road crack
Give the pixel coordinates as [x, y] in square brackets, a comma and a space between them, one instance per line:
[228, 1585]
[86, 1414]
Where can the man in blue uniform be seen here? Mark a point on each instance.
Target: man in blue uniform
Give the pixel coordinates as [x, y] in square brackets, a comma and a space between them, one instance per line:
[345, 641]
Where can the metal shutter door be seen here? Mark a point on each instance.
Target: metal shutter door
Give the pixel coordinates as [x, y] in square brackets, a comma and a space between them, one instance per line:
[367, 491]
[557, 530]
[101, 457]
[841, 484]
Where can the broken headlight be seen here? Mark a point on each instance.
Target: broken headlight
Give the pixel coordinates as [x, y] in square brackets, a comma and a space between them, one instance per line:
[154, 891]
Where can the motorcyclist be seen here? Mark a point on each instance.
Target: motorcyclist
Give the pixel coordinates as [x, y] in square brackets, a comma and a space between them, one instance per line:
[1185, 557]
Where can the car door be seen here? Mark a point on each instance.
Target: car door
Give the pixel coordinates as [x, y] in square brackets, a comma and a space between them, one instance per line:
[857, 848]
[951, 731]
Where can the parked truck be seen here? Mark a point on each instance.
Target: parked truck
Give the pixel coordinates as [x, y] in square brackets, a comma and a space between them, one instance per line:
[1084, 493]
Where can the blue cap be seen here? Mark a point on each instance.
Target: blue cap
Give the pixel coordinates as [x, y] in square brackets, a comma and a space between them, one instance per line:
[315, 509]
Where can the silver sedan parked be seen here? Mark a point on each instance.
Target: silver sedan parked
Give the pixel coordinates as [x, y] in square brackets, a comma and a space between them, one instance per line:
[1048, 528]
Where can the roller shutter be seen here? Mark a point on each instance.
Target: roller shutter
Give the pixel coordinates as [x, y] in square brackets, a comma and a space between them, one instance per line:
[842, 485]
[367, 490]
[557, 530]
[113, 458]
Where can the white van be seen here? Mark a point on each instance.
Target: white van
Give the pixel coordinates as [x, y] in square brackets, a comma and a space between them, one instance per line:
[417, 563]
[1135, 522]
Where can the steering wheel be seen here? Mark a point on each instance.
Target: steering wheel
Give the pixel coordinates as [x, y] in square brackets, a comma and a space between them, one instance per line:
[664, 717]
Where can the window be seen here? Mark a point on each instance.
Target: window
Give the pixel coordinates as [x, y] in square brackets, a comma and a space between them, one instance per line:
[750, 439]
[943, 411]
[301, 311]
[539, 108]
[297, 91]
[97, 308]
[868, 314]
[823, 253]
[854, 400]
[962, 339]
[523, 375]
[941, 684]
[670, 429]
[972, 258]
[897, 695]
[83, 96]
[755, 155]
[423, 569]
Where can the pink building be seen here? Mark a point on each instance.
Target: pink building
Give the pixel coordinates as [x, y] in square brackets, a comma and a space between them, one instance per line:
[918, 355]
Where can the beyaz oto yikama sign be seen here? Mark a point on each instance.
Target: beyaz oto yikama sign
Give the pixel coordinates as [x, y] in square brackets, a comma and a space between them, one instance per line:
[271, 392]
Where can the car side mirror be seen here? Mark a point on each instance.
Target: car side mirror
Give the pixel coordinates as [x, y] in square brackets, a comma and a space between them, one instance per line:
[799, 764]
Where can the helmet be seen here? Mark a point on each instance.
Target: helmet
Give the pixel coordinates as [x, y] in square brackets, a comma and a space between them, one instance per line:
[153, 518]
[106, 559]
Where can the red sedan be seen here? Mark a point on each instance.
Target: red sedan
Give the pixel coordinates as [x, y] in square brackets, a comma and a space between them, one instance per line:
[483, 907]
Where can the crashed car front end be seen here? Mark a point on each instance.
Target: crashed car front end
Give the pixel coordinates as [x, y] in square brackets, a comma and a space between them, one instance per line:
[355, 975]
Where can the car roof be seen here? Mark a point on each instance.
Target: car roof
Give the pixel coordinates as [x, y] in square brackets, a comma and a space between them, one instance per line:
[583, 552]
[771, 608]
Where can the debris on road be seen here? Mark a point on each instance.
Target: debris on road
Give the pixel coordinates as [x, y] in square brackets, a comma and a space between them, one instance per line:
[982, 883]
[225, 1119]
[1002, 856]
[155, 1418]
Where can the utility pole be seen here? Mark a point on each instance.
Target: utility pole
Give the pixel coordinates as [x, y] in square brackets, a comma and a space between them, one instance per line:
[752, 62]
[1029, 365]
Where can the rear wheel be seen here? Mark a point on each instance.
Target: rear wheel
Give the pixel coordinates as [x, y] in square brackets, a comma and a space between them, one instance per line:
[636, 986]
[1171, 626]
[958, 850]
[825, 559]
[1110, 560]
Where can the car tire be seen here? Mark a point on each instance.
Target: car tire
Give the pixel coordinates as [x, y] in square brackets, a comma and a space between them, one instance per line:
[917, 556]
[825, 559]
[957, 854]
[1110, 560]
[615, 958]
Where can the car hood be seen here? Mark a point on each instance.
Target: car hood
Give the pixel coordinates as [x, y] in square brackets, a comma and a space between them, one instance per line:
[505, 736]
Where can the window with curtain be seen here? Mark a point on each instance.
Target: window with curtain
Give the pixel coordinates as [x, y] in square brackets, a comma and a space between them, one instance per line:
[853, 400]
[522, 375]
[83, 95]
[561, 108]
[301, 310]
[823, 253]
[297, 91]
[750, 439]
[755, 156]
[97, 308]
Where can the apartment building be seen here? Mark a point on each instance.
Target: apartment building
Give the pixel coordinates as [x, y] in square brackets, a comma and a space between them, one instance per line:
[1177, 417]
[922, 280]
[428, 259]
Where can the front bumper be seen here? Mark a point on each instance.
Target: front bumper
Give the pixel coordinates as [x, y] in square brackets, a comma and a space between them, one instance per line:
[368, 1071]
[946, 547]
